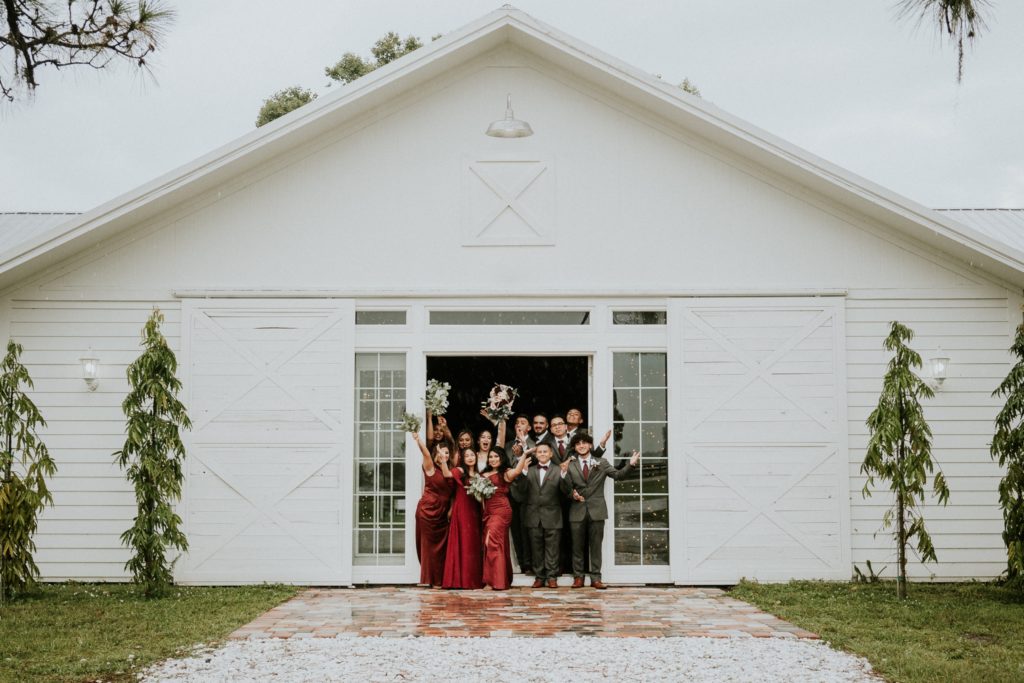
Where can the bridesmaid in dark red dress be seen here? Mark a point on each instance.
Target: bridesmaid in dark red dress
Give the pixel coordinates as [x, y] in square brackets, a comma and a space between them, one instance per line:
[463, 560]
[432, 513]
[497, 517]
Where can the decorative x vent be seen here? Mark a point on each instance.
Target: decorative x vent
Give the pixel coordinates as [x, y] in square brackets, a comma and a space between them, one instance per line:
[508, 202]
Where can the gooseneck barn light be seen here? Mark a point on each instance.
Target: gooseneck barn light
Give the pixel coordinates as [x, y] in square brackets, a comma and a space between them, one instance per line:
[510, 126]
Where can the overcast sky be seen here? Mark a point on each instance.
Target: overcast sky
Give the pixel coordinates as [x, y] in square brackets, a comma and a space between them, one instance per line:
[843, 79]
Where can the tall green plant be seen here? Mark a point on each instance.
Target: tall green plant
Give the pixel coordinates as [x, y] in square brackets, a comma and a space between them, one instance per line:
[153, 455]
[1008, 450]
[25, 464]
[900, 451]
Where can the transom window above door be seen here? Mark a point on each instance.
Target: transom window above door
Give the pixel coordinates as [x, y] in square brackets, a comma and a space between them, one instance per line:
[510, 317]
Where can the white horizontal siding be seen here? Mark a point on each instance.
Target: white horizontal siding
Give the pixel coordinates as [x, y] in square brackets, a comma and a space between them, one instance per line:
[975, 335]
[79, 538]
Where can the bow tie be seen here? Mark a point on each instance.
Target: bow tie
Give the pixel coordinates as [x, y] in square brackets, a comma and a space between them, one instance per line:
[543, 467]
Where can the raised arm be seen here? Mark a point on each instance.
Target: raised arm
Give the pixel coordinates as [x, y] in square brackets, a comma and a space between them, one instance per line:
[625, 469]
[565, 479]
[599, 449]
[510, 475]
[428, 464]
[430, 427]
[501, 434]
[443, 461]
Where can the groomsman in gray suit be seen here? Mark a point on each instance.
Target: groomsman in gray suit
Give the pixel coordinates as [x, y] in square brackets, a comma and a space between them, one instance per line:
[583, 481]
[543, 515]
[540, 433]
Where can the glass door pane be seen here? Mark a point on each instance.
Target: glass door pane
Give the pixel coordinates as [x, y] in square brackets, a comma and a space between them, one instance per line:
[379, 489]
[640, 414]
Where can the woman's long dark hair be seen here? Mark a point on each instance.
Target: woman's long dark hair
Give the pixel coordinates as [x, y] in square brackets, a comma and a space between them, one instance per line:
[469, 471]
[502, 466]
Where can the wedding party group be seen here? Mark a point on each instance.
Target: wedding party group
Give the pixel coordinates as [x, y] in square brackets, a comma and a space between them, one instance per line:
[480, 490]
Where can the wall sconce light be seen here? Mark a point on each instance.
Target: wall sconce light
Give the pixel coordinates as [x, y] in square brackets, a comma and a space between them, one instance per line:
[939, 365]
[510, 126]
[90, 369]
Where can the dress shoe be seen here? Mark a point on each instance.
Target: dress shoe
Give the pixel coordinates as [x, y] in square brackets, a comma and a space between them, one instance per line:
[597, 584]
[538, 583]
[552, 583]
[577, 582]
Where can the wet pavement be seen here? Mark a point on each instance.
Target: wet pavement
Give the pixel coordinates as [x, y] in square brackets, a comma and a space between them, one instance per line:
[647, 612]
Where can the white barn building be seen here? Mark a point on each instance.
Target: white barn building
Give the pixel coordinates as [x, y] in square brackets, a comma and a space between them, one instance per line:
[720, 295]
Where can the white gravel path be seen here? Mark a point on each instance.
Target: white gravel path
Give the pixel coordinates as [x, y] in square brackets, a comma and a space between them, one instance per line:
[517, 659]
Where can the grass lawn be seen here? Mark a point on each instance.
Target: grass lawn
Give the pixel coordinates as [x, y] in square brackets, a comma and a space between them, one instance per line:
[76, 632]
[943, 632]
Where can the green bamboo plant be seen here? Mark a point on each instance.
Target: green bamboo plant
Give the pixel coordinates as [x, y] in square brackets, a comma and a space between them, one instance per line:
[1008, 450]
[153, 456]
[25, 464]
[900, 452]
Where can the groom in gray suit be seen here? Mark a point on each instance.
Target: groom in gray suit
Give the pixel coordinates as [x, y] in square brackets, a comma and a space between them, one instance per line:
[583, 482]
[543, 515]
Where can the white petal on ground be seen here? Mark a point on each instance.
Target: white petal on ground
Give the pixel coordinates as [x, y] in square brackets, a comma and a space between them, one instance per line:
[575, 659]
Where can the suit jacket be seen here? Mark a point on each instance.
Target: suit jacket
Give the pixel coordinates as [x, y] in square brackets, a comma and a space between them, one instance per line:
[549, 439]
[592, 489]
[554, 446]
[510, 455]
[543, 502]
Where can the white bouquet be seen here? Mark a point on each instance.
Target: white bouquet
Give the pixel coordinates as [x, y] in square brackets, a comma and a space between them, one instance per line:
[499, 404]
[481, 488]
[411, 423]
[436, 399]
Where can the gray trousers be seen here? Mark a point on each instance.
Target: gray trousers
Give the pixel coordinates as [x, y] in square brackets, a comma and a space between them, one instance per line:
[545, 544]
[589, 531]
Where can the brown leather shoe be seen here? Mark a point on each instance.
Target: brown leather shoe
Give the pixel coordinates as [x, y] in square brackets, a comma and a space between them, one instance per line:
[577, 582]
[538, 583]
[597, 584]
[552, 583]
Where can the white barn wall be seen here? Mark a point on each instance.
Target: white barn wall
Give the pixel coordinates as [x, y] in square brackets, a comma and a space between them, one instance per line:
[973, 332]
[79, 538]
[378, 207]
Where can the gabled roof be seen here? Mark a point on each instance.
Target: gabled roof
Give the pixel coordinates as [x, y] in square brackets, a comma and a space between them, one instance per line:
[971, 246]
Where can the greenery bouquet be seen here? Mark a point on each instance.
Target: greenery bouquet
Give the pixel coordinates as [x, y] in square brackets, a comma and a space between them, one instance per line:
[481, 488]
[436, 399]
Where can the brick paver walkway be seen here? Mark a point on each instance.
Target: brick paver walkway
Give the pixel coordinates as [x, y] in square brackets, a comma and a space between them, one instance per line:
[626, 611]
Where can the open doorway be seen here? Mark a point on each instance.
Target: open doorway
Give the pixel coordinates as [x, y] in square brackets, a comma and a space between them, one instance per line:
[546, 384]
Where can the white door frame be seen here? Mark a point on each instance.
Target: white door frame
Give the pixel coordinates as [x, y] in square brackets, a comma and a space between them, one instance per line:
[596, 340]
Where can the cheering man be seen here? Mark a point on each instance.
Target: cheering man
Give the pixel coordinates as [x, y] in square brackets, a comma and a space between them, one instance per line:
[583, 481]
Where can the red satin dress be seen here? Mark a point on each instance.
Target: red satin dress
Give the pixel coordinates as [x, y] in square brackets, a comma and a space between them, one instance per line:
[497, 517]
[463, 562]
[432, 527]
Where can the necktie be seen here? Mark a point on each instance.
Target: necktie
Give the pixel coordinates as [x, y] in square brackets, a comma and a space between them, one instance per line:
[543, 467]
[586, 469]
[561, 449]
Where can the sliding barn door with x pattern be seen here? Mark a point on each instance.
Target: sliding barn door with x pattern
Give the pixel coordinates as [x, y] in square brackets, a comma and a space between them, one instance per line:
[269, 385]
[763, 438]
